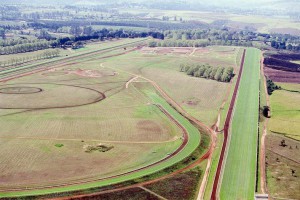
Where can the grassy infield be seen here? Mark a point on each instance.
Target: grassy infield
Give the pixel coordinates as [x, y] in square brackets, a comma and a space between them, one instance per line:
[191, 146]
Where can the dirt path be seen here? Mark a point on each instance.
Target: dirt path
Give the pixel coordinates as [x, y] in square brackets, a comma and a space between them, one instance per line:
[153, 193]
[215, 193]
[193, 52]
[262, 160]
[130, 81]
[71, 50]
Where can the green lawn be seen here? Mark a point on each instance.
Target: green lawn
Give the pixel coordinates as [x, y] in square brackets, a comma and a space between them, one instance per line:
[285, 108]
[240, 167]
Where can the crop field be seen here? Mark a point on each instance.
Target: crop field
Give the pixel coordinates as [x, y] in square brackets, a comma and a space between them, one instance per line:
[200, 97]
[240, 167]
[264, 25]
[280, 161]
[285, 107]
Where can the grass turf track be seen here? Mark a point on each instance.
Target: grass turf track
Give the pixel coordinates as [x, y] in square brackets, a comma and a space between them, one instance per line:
[239, 171]
[192, 144]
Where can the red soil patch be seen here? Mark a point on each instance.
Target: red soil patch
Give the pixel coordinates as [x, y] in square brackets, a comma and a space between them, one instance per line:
[292, 31]
[79, 72]
[149, 126]
[167, 50]
[201, 50]
[282, 76]
[191, 102]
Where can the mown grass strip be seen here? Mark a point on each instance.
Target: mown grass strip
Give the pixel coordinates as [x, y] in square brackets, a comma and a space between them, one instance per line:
[240, 168]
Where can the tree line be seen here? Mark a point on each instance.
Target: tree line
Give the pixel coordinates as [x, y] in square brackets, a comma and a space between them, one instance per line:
[222, 74]
[197, 43]
[27, 47]
[226, 37]
[21, 60]
[13, 42]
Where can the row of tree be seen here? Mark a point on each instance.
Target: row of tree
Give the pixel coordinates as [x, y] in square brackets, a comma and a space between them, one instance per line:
[197, 43]
[27, 47]
[21, 60]
[226, 36]
[222, 74]
[13, 42]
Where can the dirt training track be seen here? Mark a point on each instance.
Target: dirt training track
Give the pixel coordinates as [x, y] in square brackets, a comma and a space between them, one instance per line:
[214, 194]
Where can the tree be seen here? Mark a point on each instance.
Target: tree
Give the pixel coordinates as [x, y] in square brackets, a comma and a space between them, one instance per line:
[152, 44]
[181, 67]
[191, 71]
[2, 33]
[213, 73]
[219, 73]
[44, 35]
[293, 172]
[75, 30]
[289, 47]
[87, 30]
[282, 143]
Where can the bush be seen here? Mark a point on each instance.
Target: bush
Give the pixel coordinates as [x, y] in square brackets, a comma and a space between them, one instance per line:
[59, 145]
[271, 86]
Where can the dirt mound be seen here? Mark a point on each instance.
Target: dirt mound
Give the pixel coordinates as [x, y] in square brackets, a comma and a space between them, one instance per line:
[99, 147]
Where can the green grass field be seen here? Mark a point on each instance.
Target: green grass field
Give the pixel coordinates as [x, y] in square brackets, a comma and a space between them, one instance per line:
[285, 108]
[240, 167]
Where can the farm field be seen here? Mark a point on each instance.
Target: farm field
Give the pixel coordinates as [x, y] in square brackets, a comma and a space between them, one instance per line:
[257, 22]
[239, 170]
[285, 108]
[280, 161]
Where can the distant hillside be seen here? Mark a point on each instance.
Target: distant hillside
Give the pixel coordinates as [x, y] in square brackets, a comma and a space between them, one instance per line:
[55, 2]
